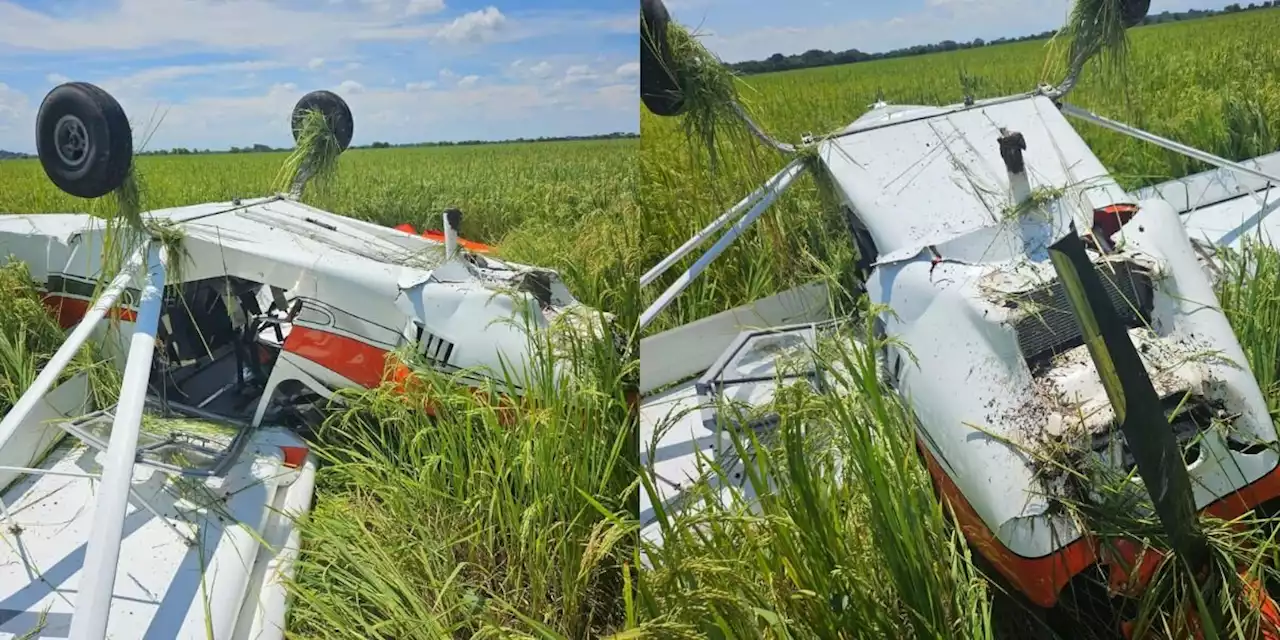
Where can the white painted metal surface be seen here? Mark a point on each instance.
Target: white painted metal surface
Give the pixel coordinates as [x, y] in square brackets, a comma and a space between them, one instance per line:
[940, 182]
[933, 180]
[676, 354]
[160, 591]
[1211, 187]
[264, 618]
[676, 447]
[681, 434]
[39, 432]
[90, 559]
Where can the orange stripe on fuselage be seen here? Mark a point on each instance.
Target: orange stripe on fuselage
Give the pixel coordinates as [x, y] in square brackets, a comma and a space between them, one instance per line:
[69, 311]
[364, 364]
[438, 236]
[352, 359]
[1041, 579]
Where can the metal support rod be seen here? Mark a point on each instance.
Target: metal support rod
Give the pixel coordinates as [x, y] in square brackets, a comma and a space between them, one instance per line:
[758, 132]
[62, 357]
[50, 472]
[792, 172]
[300, 181]
[102, 554]
[701, 236]
[9, 522]
[1171, 145]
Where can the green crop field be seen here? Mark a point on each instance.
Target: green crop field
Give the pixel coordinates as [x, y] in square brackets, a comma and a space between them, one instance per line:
[1211, 83]
[468, 523]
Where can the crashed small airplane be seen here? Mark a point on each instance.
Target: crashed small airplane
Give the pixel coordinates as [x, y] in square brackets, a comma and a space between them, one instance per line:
[180, 527]
[1010, 264]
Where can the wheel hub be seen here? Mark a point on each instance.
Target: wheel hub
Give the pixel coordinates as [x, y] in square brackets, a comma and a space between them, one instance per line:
[71, 140]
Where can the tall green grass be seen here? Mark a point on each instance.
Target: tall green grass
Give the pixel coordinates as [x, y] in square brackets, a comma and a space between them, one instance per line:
[494, 518]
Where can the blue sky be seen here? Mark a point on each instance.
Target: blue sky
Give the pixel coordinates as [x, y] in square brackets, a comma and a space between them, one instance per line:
[228, 72]
[752, 29]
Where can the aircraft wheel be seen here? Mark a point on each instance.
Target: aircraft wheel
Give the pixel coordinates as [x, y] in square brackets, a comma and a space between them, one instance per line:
[83, 140]
[336, 113]
[1133, 11]
[659, 89]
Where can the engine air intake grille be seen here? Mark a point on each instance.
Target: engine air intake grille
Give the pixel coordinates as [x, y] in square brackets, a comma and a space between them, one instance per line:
[1048, 326]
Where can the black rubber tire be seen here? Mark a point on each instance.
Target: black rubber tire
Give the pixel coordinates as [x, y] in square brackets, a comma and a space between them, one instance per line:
[100, 161]
[659, 89]
[1133, 11]
[336, 113]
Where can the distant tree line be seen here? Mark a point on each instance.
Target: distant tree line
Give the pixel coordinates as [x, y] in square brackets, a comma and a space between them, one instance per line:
[820, 58]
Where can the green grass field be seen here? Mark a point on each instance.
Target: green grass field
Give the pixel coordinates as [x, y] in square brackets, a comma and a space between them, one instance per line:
[1212, 83]
[466, 524]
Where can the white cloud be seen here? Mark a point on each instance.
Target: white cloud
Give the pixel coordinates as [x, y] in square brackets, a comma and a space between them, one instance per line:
[468, 81]
[15, 112]
[628, 70]
[315, 63]
[350, 86]
[419, 86]
[139, 83]
[390, 114]
[541, 70]
[477, 26]
[579, 73]
[521, 69]
[352, 66]
[422, 7]
[447, 75]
